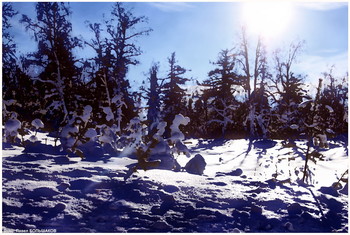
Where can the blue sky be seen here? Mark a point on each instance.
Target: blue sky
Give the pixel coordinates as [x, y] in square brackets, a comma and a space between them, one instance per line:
[197, 31]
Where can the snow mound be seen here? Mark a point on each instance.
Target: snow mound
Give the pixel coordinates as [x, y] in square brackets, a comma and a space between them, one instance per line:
[37, 123]
[12, 125]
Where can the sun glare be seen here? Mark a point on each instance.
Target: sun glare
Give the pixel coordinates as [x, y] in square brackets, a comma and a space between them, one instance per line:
[268, 19]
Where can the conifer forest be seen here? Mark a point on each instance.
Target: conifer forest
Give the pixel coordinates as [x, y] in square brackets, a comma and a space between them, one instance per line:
[254, 146]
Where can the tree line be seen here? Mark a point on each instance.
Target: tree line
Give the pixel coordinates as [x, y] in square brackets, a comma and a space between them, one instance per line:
[248, 94]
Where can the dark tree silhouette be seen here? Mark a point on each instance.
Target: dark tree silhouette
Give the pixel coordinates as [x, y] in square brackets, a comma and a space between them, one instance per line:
[153, 113]
[8, 45]
[221, 85]
[9, 83]
[58, 79]
[114, 55]
[287, 91]
[335, 96]
[173, 94]
[17, 86]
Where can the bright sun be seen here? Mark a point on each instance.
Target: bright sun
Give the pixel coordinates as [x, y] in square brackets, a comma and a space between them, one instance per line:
[268, 19]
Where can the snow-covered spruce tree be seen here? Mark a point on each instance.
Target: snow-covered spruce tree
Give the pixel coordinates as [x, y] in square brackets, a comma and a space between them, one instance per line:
[173, 94]
[36, 125]
[287, 91]
[15, 89]
[115, 53]
[153, 151]
[15, 126]
[139, 142]
[153, 100]
[220, 88]
[8, 45]
[315, 118]
[97, 73]
[8, 52]
[335, 95]
[58, 76]
[197, 111]
[16, 85]
[259, 112]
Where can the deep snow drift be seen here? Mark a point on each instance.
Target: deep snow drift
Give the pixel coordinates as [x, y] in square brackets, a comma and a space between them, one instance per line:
[245, 188]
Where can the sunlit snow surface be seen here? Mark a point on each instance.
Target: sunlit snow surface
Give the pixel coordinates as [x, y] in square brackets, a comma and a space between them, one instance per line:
[44, 189]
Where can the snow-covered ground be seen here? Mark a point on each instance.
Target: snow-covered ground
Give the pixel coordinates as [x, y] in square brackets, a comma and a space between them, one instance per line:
[246, 187]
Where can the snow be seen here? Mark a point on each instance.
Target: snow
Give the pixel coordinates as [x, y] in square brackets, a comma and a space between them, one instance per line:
[177, 136]
[161, 129]
[12, 125]
[245, 187]
[37, 123]
[68, 130]
[320, 140]
[86, 113]
[33, 138]
[91, 133]
[9, 102]
[304, 103]
[330, 109]
[108, 112]
[175, 130]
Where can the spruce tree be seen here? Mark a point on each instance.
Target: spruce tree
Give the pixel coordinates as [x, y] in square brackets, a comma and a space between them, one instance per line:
[58, 76]
[19, 95]
[220, 88]
[8, 44]
[153, 113]
[335, 96]
[9, 80]
[287, 91]
[115, 53]
[173, 94]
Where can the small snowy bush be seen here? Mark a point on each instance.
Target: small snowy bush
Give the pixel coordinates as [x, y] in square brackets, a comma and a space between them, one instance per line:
[37, 124]
[141, 144]
[12, 126]
[154, 151]
[108, 135]
[177, 136]
[77, 131]
[135, 132]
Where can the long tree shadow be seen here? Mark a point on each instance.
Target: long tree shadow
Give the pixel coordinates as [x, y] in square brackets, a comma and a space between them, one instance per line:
[299, 152]
[211, 143]
[38, 147]
[263, 145]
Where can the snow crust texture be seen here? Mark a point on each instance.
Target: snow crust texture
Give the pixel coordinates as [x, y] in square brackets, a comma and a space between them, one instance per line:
[43, 190]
